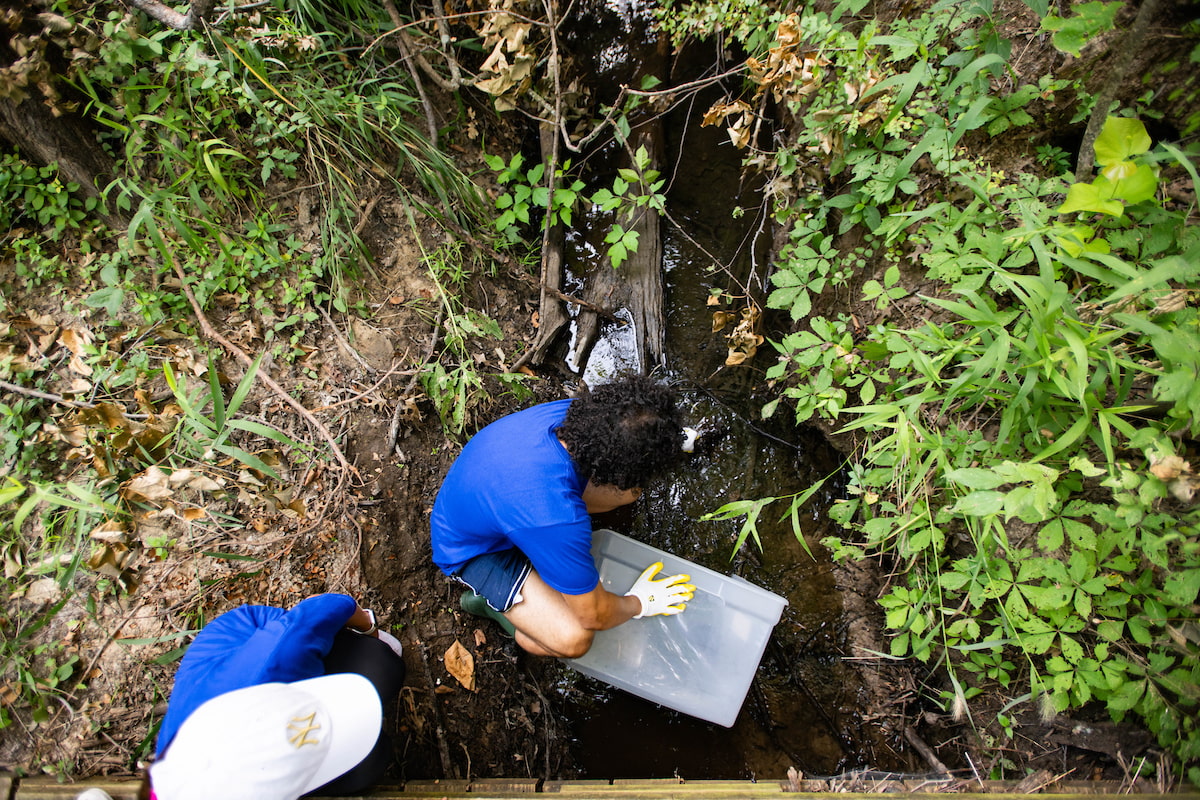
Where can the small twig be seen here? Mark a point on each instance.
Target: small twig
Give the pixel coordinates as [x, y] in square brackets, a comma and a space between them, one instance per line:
[54, 398]
[926, 752]
[451, 61]
[365, 217]
[401, 30]
[467, 753]
[974, 769]
[548, 717]
[362, 362]
[406, 53]
[394, 428]
[439, 728]
[211, 333]
[391, 371]
[595, 309]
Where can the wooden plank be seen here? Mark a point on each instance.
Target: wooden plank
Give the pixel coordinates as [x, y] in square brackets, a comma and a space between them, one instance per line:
[571, 787]
[624, 789]
[439, 788]
[666, 789]
[50, 789]
[505, 786]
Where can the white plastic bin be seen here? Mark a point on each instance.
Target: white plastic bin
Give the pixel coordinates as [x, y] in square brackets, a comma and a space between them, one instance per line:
[699, 662]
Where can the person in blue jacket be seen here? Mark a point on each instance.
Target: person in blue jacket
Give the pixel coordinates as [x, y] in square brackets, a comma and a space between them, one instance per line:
[239, 654]
[511, 520]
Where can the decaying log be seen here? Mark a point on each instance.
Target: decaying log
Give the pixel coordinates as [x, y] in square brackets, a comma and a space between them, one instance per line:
[637, 285]
[64, 140]
[552, 315]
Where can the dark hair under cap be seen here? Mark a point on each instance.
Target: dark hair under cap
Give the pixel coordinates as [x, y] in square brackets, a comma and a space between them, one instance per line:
[623, 433]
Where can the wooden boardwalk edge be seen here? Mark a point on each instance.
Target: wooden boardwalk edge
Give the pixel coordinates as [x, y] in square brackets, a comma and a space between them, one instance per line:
[39, 788]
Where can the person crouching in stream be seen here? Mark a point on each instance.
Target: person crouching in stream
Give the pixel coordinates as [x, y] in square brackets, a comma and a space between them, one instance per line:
[511, 520]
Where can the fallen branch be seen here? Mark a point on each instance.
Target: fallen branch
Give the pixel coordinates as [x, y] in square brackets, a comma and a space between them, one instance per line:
[261, 375]
[926, 752]
[197, 12]
[53, 398]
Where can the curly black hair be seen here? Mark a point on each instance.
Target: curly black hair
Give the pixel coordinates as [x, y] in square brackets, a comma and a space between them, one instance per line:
[623, 433]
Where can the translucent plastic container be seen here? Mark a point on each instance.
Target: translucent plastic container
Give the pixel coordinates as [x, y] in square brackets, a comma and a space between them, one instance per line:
[699, 662]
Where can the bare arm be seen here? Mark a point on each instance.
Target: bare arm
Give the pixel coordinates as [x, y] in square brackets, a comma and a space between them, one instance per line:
[360, 621]
[600, 609]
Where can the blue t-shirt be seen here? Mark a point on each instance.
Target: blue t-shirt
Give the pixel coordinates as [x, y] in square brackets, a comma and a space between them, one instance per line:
[515, 485]
[251, 645]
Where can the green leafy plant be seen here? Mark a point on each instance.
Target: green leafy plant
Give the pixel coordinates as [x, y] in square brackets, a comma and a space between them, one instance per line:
[527, 196]
[1064, 389]
[205, 436]
[1016, 456]
[635, 190]
[35, 670]
[262, 119]
[1054, 158]
[1072, 33]
[456, 387]
[751, 510]
[38, 195]
[1125, 177]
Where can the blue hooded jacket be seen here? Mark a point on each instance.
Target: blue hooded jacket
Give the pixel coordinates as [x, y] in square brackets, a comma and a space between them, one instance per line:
[251, 645]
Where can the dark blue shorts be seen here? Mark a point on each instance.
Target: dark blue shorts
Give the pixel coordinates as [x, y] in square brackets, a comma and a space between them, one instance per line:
[497, 576]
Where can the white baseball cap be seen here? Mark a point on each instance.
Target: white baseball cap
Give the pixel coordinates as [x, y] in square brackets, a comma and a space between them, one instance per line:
[274, 741]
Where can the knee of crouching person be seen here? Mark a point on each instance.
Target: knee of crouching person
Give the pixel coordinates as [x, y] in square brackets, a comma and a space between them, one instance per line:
[578, 644]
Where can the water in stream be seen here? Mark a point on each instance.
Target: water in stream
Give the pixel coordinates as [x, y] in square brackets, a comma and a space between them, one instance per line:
[804, 708]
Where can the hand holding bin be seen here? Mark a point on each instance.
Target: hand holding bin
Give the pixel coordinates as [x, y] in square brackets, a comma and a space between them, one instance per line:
[700, 662]
[666, 596]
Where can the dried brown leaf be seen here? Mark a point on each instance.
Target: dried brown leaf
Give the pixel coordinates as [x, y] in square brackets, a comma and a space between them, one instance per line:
[73, 340]
[461, 664]
[110, 531]
[1169, 468]
[719, 112]
[151, 485]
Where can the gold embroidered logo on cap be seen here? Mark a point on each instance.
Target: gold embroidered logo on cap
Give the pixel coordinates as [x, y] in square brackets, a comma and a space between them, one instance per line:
[301, 727]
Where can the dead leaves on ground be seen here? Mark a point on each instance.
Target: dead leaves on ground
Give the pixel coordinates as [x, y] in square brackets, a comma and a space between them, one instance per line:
[128, 442]
[1177, 474]
[461, 664]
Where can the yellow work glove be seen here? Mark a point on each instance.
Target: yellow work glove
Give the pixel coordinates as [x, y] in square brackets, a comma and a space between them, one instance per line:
[664, 596]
